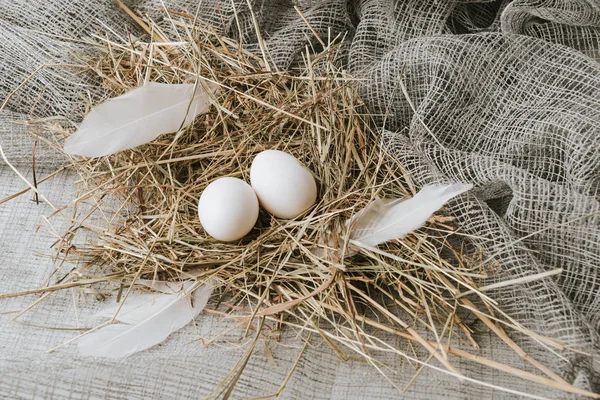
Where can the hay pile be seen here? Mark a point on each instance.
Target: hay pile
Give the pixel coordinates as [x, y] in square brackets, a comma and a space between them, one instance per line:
[285, 274]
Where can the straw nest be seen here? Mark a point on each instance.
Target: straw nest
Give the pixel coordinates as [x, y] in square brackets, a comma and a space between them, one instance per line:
[285, 274]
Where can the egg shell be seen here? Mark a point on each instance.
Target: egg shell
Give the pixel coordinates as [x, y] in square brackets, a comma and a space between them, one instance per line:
[228, 209]
[283, 185]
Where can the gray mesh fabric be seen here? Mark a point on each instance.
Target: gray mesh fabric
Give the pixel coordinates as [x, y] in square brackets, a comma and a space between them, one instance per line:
[503, 94]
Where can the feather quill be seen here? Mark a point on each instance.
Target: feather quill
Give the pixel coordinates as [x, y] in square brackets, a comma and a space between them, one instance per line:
[137, 117]
[147, 320]
[387, 219]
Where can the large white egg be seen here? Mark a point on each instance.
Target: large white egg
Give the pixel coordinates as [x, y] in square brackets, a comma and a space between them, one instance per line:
[284, 186]
[228, 209]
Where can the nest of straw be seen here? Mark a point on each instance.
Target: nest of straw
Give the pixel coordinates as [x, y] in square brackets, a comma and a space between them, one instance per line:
[285, 274]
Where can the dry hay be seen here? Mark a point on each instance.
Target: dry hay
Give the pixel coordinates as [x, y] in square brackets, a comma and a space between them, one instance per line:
[285, 274]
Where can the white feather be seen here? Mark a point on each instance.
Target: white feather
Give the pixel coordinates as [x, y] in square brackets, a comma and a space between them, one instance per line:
[135, 308]
[148, 320]
[138, 306]
[387, 219]
[137, 117]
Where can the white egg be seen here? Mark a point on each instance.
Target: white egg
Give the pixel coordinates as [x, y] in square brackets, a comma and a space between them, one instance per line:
[228, 209]
[284, 186]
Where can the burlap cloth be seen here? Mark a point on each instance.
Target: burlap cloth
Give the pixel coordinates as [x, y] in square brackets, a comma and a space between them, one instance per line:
[510, 94]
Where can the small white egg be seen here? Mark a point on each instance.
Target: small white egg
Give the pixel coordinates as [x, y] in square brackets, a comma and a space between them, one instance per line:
[283, 185]
[228, 209]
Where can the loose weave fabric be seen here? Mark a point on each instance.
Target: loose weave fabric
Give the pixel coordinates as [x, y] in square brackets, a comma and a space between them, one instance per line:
[501, 94]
